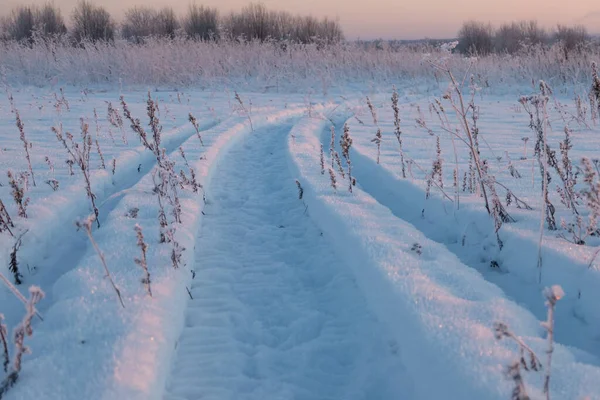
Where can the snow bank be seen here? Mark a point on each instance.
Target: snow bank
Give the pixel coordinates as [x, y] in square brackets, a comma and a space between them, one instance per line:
[89, 347]
[441, 310]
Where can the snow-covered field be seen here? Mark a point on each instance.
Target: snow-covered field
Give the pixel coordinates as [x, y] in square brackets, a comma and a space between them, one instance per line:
[271, 283]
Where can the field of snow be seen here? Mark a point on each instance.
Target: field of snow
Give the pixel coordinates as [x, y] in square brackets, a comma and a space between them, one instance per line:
[273, 284]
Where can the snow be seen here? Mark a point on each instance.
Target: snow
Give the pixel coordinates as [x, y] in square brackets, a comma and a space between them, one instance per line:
[441, 311]
[280, 316]
[378, 294]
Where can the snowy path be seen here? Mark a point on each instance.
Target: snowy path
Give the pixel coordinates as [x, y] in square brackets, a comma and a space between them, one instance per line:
[275, 314]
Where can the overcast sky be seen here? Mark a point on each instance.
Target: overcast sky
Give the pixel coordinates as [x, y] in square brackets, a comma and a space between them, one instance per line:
[400, 19]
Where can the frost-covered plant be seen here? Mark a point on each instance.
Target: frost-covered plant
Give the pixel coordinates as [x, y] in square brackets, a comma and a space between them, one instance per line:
[591, 194]
[595, 91]
[5, 221]
[80, 154]
[18, 193]
[142, 262]
[436, 171]
[4, 343]
[539, 124]
[176, 250]
[514, 172]
[552, 295]
[159, 190]
[62, 101]
[192, 182]
[567, 193]
[300, 190]
[13, 265]
[136, 126]
[332, 147]
[332, 179]
[114, 165]
[26, 144]
[22, 331]
[70, 164]
[346, 144]
[322, 160]
[114, 118]
[377, 138]
[194, 122]
[338, 162]
[50, 164]
[244, 109]
[86, 225]
[527, 360]
[397, 130]
[98, 149]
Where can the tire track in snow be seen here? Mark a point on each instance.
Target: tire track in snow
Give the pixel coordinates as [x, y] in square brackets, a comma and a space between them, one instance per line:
[397, 196]
[69, 245]
[275, 314]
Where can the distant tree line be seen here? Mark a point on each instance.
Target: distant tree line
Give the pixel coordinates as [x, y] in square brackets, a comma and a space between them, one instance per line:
[478, 38]
[93, 23]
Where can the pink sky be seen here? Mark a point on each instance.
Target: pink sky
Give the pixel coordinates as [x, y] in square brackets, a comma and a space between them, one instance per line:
[370, 19]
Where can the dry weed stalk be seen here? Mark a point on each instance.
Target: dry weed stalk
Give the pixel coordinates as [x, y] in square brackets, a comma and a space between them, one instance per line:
[142, 262]
[18, 193]
[552, 295]
[22, 331]
[5, 221]
[4, 342]
[194, 122]
[26, 144]
[397, 130]
[86, 225]
[246, 110]
[377, 138]
[80, 154]
[346, 144]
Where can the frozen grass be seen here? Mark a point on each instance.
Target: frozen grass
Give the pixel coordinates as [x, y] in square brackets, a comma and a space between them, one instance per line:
[434, 189]
[273, 67]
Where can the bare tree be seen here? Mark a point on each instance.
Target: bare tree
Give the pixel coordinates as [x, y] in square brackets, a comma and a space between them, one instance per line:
[515, 36]
[92, 23]
[49, 21]
[476, 38]
[139, 22]
[20, 24]
[166, 22]
[255, 22]
[25, 22]
[201, 22]
[571, 38]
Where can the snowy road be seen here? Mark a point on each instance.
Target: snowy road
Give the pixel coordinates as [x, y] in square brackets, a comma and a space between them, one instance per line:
[275, 314]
